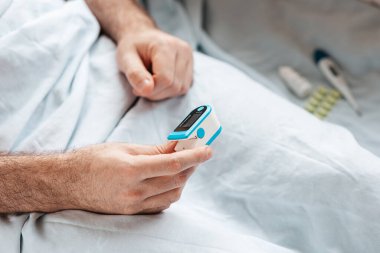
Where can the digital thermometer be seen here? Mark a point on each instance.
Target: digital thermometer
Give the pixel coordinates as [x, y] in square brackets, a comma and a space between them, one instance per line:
[334, 75]
[199, 128]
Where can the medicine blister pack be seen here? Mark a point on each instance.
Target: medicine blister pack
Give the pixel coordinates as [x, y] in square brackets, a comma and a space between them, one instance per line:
[322, 101]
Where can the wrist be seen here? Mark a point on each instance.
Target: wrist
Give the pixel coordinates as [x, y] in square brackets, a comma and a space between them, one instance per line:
[72, 179]
[118, 18]
[55, 182]
[133, 29]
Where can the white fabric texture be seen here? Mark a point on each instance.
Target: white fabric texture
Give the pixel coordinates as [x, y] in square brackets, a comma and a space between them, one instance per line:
[55, 78]
[274, 184]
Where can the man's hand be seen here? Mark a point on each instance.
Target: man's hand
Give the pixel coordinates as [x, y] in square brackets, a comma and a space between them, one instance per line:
[130, 179]
[156, 64]
[113, 178]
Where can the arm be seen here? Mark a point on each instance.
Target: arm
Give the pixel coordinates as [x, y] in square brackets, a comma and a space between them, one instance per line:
[34, 183]
[157, 65]
[106, 178]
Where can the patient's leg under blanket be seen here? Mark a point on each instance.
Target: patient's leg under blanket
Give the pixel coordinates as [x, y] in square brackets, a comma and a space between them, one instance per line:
[279, 179]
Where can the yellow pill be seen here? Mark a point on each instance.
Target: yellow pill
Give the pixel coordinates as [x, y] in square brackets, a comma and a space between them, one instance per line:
[327, 106]
[322, 111]
[331, 100]
[312, 101]
[336, 94]
[310, 108]
[322, 90]
[318, 96]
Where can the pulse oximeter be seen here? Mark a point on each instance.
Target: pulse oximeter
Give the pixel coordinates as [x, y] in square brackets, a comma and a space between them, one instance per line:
[199, 128]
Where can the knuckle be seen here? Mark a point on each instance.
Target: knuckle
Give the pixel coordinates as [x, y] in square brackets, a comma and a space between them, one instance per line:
[136, 196]
[177, 88]
[171, 41]
[131, 149]
[201, 156]
[166, 79]
[185, 46]
[174, 89]
[184, 90]
[175, 164]
[179, 180]
[160, 42]
[131, 168]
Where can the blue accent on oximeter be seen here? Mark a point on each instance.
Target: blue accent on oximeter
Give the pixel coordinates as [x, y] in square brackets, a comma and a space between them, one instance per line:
[190, 123]
[201, 133]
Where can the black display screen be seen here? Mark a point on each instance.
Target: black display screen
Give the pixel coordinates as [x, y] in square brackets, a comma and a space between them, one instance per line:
[190, 119]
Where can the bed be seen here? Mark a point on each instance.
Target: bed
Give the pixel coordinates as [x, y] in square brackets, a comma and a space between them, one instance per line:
[281, 180]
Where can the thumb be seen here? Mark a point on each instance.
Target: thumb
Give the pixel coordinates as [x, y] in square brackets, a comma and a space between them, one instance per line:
[165, 148]
[138, 76]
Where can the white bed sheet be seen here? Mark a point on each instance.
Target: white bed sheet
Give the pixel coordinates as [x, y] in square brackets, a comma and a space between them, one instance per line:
[274, 184]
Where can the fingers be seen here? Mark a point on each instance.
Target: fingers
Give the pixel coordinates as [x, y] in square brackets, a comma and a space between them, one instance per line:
[157, 65]
[166, 148]
[135, 71]
[163, 70]
[189, 75]
[158, 185]
[184, 69]
[171, 164]
[156, 194]
[162, 200]
[172, 71]
[182, 80]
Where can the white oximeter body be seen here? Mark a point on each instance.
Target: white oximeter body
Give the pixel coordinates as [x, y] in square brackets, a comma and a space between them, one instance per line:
[199, 128]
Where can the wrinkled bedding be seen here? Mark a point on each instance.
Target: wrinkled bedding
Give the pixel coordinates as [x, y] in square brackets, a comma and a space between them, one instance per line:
[274, 185]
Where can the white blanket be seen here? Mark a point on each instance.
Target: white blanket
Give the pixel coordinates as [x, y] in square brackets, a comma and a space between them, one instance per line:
[280, 180]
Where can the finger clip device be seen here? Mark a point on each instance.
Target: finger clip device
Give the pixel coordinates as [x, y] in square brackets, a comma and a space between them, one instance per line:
[199, 128]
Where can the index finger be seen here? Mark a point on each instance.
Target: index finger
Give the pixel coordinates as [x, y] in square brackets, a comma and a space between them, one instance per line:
[135, 71]
[163, 68]
[171, 164]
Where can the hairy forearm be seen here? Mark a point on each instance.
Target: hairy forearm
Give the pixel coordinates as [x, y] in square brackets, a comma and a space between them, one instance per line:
[36, 183]
[120, 17]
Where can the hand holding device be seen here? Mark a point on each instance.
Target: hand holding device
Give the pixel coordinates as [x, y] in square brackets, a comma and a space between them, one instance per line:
[120, 178]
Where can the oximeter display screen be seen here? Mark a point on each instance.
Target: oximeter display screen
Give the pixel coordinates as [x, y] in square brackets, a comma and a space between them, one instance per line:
[190, 119]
